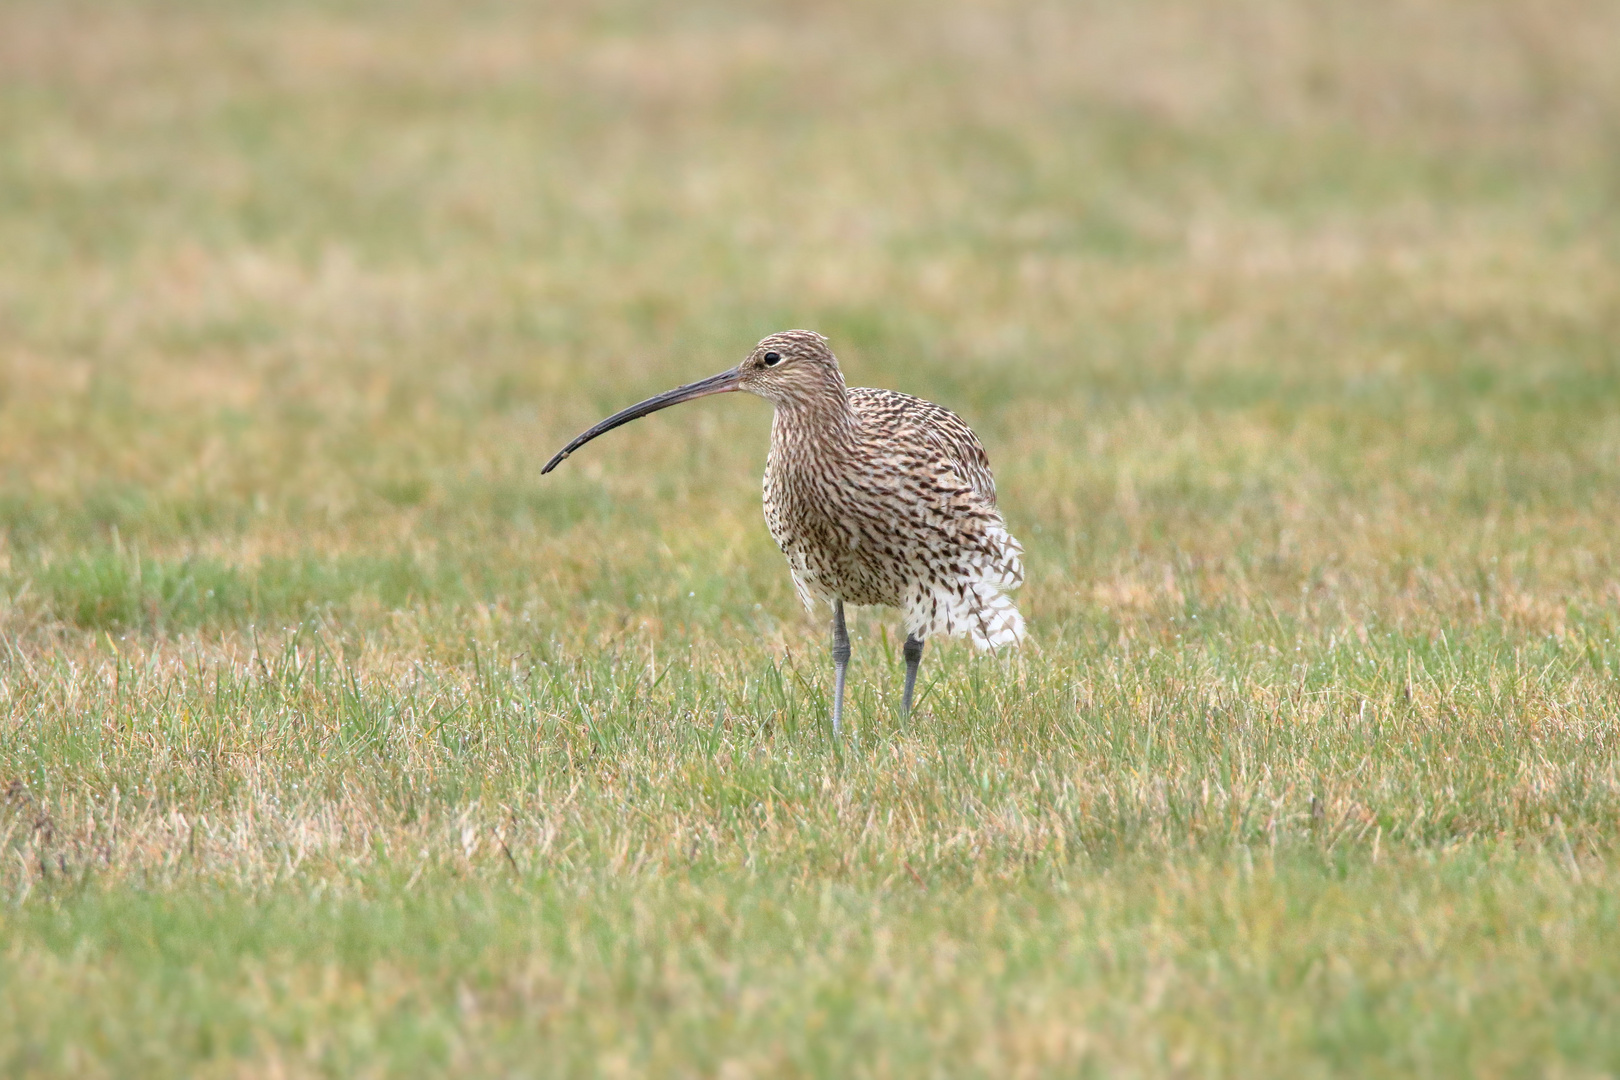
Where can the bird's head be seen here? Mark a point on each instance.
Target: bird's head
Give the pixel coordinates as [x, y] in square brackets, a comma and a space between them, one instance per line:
[789, 368]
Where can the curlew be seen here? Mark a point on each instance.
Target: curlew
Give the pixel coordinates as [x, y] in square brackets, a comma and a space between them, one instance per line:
[875, 497]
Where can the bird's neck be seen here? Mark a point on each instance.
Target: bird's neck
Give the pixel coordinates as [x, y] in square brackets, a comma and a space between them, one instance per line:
[820, 416]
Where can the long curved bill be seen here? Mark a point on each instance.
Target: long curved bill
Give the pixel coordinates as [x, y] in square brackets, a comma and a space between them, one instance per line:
[723, 383]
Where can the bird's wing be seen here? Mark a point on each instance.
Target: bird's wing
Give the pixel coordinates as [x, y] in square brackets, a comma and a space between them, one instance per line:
[966, 559]
[906, 419]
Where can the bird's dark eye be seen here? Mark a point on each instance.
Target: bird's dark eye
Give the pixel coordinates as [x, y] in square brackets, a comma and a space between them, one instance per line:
[772, 358]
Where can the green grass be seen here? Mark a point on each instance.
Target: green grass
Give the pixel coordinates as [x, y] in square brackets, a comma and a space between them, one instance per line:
[334, 740]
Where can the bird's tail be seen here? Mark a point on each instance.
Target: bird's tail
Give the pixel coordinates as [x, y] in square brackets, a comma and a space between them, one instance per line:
[996, 623]
[974, 603]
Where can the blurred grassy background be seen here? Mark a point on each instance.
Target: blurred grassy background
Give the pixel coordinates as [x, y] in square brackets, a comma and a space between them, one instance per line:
[334, 738]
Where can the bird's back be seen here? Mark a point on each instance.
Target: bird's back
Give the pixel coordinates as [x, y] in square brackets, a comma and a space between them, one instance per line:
[926, 427]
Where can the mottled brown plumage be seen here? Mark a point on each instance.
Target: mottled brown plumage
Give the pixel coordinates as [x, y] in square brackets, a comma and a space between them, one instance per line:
[874, 496]
[877, 497]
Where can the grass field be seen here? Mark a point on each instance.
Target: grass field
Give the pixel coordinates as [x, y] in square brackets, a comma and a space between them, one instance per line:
[336, 741]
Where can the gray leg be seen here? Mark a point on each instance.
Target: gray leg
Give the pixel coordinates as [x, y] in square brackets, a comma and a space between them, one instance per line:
[913, 654]
[840, 653]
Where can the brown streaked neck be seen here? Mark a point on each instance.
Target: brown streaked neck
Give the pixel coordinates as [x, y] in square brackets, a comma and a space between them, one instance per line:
[818, 413]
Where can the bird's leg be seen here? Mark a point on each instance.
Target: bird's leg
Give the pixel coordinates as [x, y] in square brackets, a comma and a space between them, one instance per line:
[913, 654]
[840, 654]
